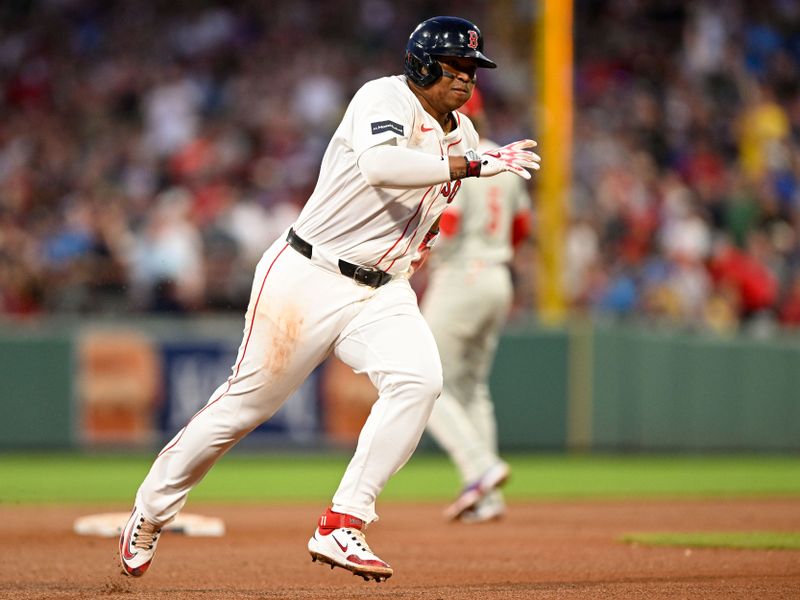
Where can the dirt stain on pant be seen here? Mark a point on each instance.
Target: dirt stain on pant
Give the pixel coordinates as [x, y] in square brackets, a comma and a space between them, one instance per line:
[286, 326]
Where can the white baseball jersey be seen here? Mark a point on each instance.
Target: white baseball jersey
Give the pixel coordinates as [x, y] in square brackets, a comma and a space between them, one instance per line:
[484, 210]
[379, 227]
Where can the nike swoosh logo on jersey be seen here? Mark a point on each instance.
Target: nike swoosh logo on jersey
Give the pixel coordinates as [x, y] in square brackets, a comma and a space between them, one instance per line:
[425, 129]
[338, 543]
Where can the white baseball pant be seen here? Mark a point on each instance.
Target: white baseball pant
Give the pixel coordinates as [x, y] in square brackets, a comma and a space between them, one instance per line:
[299, 312]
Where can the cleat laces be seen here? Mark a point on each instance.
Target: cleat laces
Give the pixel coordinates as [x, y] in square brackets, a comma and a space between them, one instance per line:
[358, 537]
[146, 535]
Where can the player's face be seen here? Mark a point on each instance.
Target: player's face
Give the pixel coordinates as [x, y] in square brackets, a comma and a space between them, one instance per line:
[455, 86]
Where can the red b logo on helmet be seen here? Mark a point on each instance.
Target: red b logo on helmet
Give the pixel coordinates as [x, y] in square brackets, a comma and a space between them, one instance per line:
[473, 39]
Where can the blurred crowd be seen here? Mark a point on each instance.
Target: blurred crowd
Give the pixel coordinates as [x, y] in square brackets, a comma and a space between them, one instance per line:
[150, 151]
[687, 163]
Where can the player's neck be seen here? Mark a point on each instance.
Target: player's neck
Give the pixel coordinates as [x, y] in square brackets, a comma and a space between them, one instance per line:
[449, 124]
[445, 119]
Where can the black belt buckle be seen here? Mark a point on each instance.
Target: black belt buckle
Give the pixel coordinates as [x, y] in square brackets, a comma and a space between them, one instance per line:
[364, 275]
[367, 276]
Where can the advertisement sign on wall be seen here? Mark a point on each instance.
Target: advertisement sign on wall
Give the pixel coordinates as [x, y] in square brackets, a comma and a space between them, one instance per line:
[137, 390]
[192, 371]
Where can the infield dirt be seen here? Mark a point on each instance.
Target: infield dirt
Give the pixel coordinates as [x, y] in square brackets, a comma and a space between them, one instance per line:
[558, 550]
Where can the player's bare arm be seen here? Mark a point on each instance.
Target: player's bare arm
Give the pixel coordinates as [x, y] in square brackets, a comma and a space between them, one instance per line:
[459, 167]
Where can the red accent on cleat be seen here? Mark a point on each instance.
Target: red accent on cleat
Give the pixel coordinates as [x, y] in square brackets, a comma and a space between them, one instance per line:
[332, 520]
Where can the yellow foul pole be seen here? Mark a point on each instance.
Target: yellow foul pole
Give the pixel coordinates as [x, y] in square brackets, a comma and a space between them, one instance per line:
[553, 71]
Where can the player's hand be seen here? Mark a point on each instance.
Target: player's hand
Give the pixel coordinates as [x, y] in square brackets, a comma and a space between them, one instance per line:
[516, 158]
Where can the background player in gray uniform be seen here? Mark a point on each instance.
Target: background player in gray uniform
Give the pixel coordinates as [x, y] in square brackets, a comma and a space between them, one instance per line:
[338, 284]
[466, 304]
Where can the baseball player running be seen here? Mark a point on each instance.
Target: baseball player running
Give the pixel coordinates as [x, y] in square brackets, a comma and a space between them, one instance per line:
[337, 282]
[478, 235]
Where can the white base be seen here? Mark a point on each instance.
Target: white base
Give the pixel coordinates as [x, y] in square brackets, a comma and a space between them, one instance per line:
[111, 524]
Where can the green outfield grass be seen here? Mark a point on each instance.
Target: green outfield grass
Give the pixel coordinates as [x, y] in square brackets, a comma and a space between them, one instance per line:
[270, 476]
[741, 540]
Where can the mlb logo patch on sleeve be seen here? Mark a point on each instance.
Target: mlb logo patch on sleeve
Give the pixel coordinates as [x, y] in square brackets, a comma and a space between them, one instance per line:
[381, 126]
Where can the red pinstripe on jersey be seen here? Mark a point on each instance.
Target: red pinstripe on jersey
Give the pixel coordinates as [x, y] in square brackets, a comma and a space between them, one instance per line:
[239, 363]
[413, 235]
[408, 223]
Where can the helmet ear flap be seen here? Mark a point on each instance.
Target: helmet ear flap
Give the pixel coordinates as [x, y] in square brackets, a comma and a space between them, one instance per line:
[435, 69]
[421, 68]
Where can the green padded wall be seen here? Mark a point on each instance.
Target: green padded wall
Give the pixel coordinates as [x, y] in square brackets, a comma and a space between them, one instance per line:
[36, 374]
[529, 388]
[664, 391]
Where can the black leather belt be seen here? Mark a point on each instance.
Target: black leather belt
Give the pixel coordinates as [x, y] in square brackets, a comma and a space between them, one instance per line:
[366, 275]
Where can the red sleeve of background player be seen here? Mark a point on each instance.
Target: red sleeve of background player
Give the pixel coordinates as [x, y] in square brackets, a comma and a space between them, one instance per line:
[520, 227]
[449, 222]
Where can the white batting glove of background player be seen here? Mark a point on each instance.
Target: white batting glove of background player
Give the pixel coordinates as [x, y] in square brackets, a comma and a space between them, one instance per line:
[515, 158]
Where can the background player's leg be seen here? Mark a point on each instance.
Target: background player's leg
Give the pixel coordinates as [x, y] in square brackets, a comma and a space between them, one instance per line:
[450, 423]
[458, 321]
[481, 415]
[391, 342]
[478, 405]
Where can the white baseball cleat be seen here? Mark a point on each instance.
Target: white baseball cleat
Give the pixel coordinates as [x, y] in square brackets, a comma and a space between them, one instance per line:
[491, 508]
[339, 542]
[137, 544]
[471, 495]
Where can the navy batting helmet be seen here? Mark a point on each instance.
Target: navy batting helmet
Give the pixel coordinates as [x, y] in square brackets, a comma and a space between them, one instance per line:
[442, 36]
